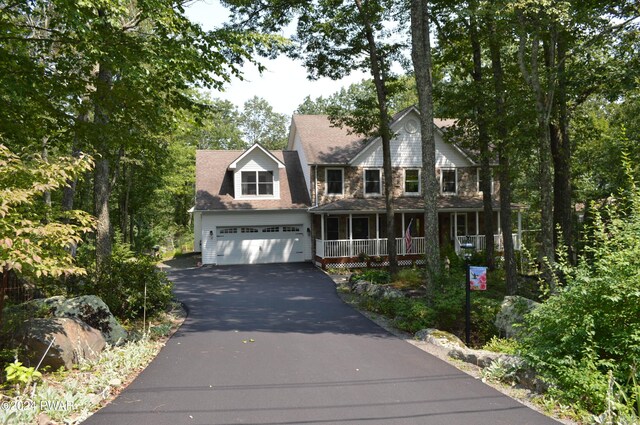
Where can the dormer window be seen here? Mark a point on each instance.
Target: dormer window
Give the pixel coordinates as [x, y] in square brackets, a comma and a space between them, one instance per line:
[257, 183]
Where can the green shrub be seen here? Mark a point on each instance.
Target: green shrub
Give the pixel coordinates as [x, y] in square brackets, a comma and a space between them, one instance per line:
[408, 278]
[591, 326]
[502, 345]
[408, 314]
[378, 276]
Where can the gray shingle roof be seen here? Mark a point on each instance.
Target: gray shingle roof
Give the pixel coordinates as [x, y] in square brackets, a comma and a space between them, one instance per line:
[324, 143]
[214, 183]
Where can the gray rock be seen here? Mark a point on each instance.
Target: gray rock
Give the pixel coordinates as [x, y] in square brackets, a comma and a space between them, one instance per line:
[483, 358]
[512, 312]
[361, 287]
[375, 291]
[74, 341]
[89, 309]
[389, 292]
[440, 338]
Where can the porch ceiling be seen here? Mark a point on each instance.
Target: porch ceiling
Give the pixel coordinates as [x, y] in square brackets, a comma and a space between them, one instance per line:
[405, 204]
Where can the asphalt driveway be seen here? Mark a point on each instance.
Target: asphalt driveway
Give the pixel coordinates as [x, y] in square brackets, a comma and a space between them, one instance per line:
[273, 344]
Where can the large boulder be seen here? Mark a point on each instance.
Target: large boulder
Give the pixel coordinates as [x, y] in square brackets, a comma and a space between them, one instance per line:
[95, 313]
[512, 312]
[361, 287]
[73, 341]
[440, 338]
[391, 292]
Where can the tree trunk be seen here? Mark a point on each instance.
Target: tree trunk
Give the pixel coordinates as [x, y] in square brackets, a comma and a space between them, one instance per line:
[503, 158]
[385, 135]
[3, 289]
[561, 153]
[101, 181]
[544, 102]
[421, 58]
[69, 190]
[483, 139]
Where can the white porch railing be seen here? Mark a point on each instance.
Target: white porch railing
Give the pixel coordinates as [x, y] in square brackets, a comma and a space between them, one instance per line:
[371, 247]
[480, 242]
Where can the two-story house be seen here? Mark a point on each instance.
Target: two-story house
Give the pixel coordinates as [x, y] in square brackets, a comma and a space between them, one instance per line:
[322, 198]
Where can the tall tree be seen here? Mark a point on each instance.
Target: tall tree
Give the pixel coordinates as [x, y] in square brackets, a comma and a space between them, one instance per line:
[261, 124]
[422, 65]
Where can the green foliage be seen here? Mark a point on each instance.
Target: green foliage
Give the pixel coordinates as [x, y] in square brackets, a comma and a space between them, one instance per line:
[408, 278]
[35, 238]
[502, 345]
[261, 124]
[592, 325]
[408, 314]
[17, 374]
[378, 276]
[500, 371]
[122, 284]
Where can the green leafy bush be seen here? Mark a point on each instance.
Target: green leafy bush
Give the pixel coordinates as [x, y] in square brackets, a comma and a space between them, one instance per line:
[591, 326]
[408, 278]
[408, 314]
[502, 345]
[378, 276]
[121, 284]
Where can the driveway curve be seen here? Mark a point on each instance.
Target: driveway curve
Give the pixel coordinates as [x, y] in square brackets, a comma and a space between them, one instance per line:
[273, 344]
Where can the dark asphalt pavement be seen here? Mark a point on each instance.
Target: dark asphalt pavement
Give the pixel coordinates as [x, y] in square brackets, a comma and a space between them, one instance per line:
[314, 360]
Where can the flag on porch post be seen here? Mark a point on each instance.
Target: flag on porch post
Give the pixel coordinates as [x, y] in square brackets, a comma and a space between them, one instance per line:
[408, 244]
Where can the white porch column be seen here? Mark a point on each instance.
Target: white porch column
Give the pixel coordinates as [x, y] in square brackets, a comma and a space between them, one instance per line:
[519, 229]
[404, 247]
[455, 231]
[477, 224]
[500, 235]
[322, 227]
[377, 234]
[350, 235]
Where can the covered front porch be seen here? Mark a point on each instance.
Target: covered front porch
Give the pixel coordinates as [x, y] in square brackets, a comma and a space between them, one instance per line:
[357, 239]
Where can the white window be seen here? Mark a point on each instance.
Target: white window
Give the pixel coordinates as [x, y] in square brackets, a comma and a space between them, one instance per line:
[335, 181]
[480, 181]
[271, 229]
[249, 230]
[290, 229]
[448, 179]
[257, 183]
[227, 230]
[372, 182]
[412, 181]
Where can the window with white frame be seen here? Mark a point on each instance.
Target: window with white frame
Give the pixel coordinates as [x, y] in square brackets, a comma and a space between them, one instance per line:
[372, 182]
[257, 183]
[480, 180]
[448, 179]
[412, 181]
[335, 181]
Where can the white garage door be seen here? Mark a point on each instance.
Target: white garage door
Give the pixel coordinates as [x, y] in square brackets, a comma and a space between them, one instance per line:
[259, 244]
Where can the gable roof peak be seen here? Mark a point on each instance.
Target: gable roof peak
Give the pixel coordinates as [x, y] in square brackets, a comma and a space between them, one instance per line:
[253, 147]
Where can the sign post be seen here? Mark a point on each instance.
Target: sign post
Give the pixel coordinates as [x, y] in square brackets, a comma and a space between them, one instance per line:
[476, 281]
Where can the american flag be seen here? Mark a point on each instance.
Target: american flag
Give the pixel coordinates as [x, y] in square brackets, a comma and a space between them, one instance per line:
[408, 244]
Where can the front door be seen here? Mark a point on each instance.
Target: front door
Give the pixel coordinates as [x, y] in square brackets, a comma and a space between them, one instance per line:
[360, 228]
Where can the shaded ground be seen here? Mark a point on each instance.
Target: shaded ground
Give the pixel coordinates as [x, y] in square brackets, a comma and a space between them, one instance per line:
[273, 344]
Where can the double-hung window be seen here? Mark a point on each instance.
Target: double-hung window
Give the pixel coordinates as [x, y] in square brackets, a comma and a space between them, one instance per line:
[372, 182]
[448, 181]
[257, 183]
[412, 181]
[334, 181]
